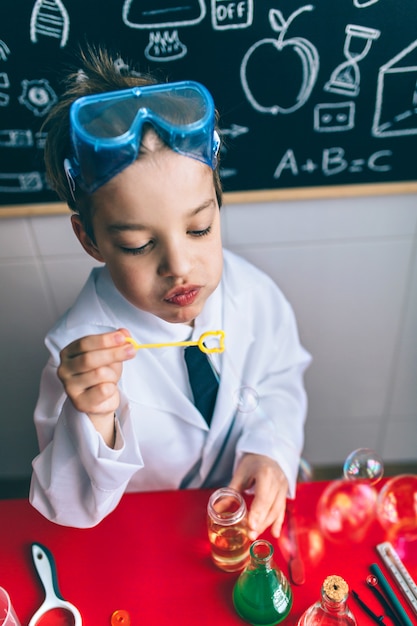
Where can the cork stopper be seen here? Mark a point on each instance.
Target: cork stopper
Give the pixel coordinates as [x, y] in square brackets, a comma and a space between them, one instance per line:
[335, 588]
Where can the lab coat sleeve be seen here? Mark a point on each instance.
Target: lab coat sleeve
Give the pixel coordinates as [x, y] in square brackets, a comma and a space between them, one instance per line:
[276, 428]
[77, 479]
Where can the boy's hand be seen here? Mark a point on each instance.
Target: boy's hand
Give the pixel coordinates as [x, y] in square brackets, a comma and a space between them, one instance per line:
[271, 488]
[90, 370]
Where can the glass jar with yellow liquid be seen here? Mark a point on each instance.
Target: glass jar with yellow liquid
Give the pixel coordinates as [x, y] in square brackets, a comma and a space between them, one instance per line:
[228, 530]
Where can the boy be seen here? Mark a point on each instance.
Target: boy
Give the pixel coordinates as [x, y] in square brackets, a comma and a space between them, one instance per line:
[110, 419]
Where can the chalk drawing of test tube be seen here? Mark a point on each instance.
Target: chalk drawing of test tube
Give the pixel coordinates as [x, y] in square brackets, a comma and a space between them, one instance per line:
[155, 16]
[345, 79]
[305, 50]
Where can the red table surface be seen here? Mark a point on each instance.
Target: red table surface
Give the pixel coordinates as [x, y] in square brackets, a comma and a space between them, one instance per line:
[151, 557]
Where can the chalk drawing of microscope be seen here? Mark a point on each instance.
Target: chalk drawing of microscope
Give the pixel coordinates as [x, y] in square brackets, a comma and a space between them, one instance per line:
[162, 19]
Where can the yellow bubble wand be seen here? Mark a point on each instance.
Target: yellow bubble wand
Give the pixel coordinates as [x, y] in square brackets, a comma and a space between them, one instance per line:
[220, 334]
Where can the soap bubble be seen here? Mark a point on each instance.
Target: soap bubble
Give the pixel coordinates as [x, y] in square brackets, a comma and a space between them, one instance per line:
[397, 508]
[346, 509]
[246, 399]
[364, 463]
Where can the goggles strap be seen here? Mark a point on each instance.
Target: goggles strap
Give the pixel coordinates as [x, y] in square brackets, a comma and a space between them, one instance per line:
[216, 146]
[68, 173]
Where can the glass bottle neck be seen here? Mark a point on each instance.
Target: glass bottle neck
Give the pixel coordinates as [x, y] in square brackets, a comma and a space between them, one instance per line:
[333, 606]
[261, 552]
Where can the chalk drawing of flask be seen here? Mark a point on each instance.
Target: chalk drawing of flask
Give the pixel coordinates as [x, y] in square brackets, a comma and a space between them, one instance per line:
[345, 79]
[156, 16]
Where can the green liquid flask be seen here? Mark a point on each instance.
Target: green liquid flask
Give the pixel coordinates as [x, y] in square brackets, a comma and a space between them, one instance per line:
[262, 595]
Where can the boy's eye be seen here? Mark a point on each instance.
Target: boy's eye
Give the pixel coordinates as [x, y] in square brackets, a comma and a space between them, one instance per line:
[139, 250]
[147, 246]
[200, 233]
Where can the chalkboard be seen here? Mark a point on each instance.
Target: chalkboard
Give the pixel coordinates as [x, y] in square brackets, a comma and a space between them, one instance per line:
[311, 96]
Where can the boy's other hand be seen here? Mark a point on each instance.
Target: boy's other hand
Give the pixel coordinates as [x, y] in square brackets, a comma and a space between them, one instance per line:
[270, 492]
[90, 370]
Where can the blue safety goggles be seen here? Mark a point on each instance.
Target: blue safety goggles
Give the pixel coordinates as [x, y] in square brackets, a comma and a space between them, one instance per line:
[106, 128]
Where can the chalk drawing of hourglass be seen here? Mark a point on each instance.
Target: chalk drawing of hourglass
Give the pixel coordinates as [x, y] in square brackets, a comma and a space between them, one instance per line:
[345, 79]
[163, 14]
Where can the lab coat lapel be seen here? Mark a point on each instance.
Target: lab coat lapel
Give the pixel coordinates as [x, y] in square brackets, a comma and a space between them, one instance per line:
[233, 362]
[231, 380]
[157, 389]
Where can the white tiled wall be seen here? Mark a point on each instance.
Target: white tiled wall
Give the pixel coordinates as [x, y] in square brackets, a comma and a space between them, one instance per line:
[348, 266]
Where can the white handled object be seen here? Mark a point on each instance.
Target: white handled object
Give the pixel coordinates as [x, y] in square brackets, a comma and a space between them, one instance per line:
[45, 566]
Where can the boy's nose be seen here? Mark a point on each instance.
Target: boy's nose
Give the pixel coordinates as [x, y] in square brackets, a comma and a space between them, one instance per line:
[174, 262]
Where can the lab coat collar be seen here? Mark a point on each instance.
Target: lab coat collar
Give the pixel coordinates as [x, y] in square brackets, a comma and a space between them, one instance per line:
[224, 310]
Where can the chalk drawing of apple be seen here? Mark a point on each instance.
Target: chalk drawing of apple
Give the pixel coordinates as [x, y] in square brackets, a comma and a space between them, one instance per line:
[305, 50]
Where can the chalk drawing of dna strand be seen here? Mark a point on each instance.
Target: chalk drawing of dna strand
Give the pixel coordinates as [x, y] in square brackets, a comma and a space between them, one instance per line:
[49, 19]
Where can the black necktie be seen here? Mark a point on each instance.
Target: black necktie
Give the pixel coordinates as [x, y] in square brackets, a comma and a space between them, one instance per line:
[204, 383]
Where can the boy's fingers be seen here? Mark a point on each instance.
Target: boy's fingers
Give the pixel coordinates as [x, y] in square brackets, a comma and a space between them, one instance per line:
[269, 513]
[262, 504]
[268, 505]
[270, 493]
[239, 481]
[277, 525]
[92, 378]
[92, 352]
[90, 343]
[102, 398]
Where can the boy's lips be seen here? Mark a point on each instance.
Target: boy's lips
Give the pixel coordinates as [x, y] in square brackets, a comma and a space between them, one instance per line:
[183, 296]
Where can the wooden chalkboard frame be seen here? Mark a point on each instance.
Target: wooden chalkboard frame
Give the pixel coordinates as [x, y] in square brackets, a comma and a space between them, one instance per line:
[331, 104]
[244, 197]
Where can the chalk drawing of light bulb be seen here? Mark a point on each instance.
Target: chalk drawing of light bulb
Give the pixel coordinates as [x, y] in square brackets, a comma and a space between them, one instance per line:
[307, 54]
[345, 79]
[164, 45]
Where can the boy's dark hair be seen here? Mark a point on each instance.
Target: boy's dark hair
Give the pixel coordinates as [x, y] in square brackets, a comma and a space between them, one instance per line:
[99, 73]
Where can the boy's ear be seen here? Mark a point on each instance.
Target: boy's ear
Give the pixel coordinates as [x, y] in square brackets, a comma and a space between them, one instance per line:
[84, 239]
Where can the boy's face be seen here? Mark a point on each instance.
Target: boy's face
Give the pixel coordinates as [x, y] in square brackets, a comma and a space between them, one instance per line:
[157, 228]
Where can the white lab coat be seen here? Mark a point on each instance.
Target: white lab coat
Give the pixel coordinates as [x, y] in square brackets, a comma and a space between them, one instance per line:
[162, 440]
